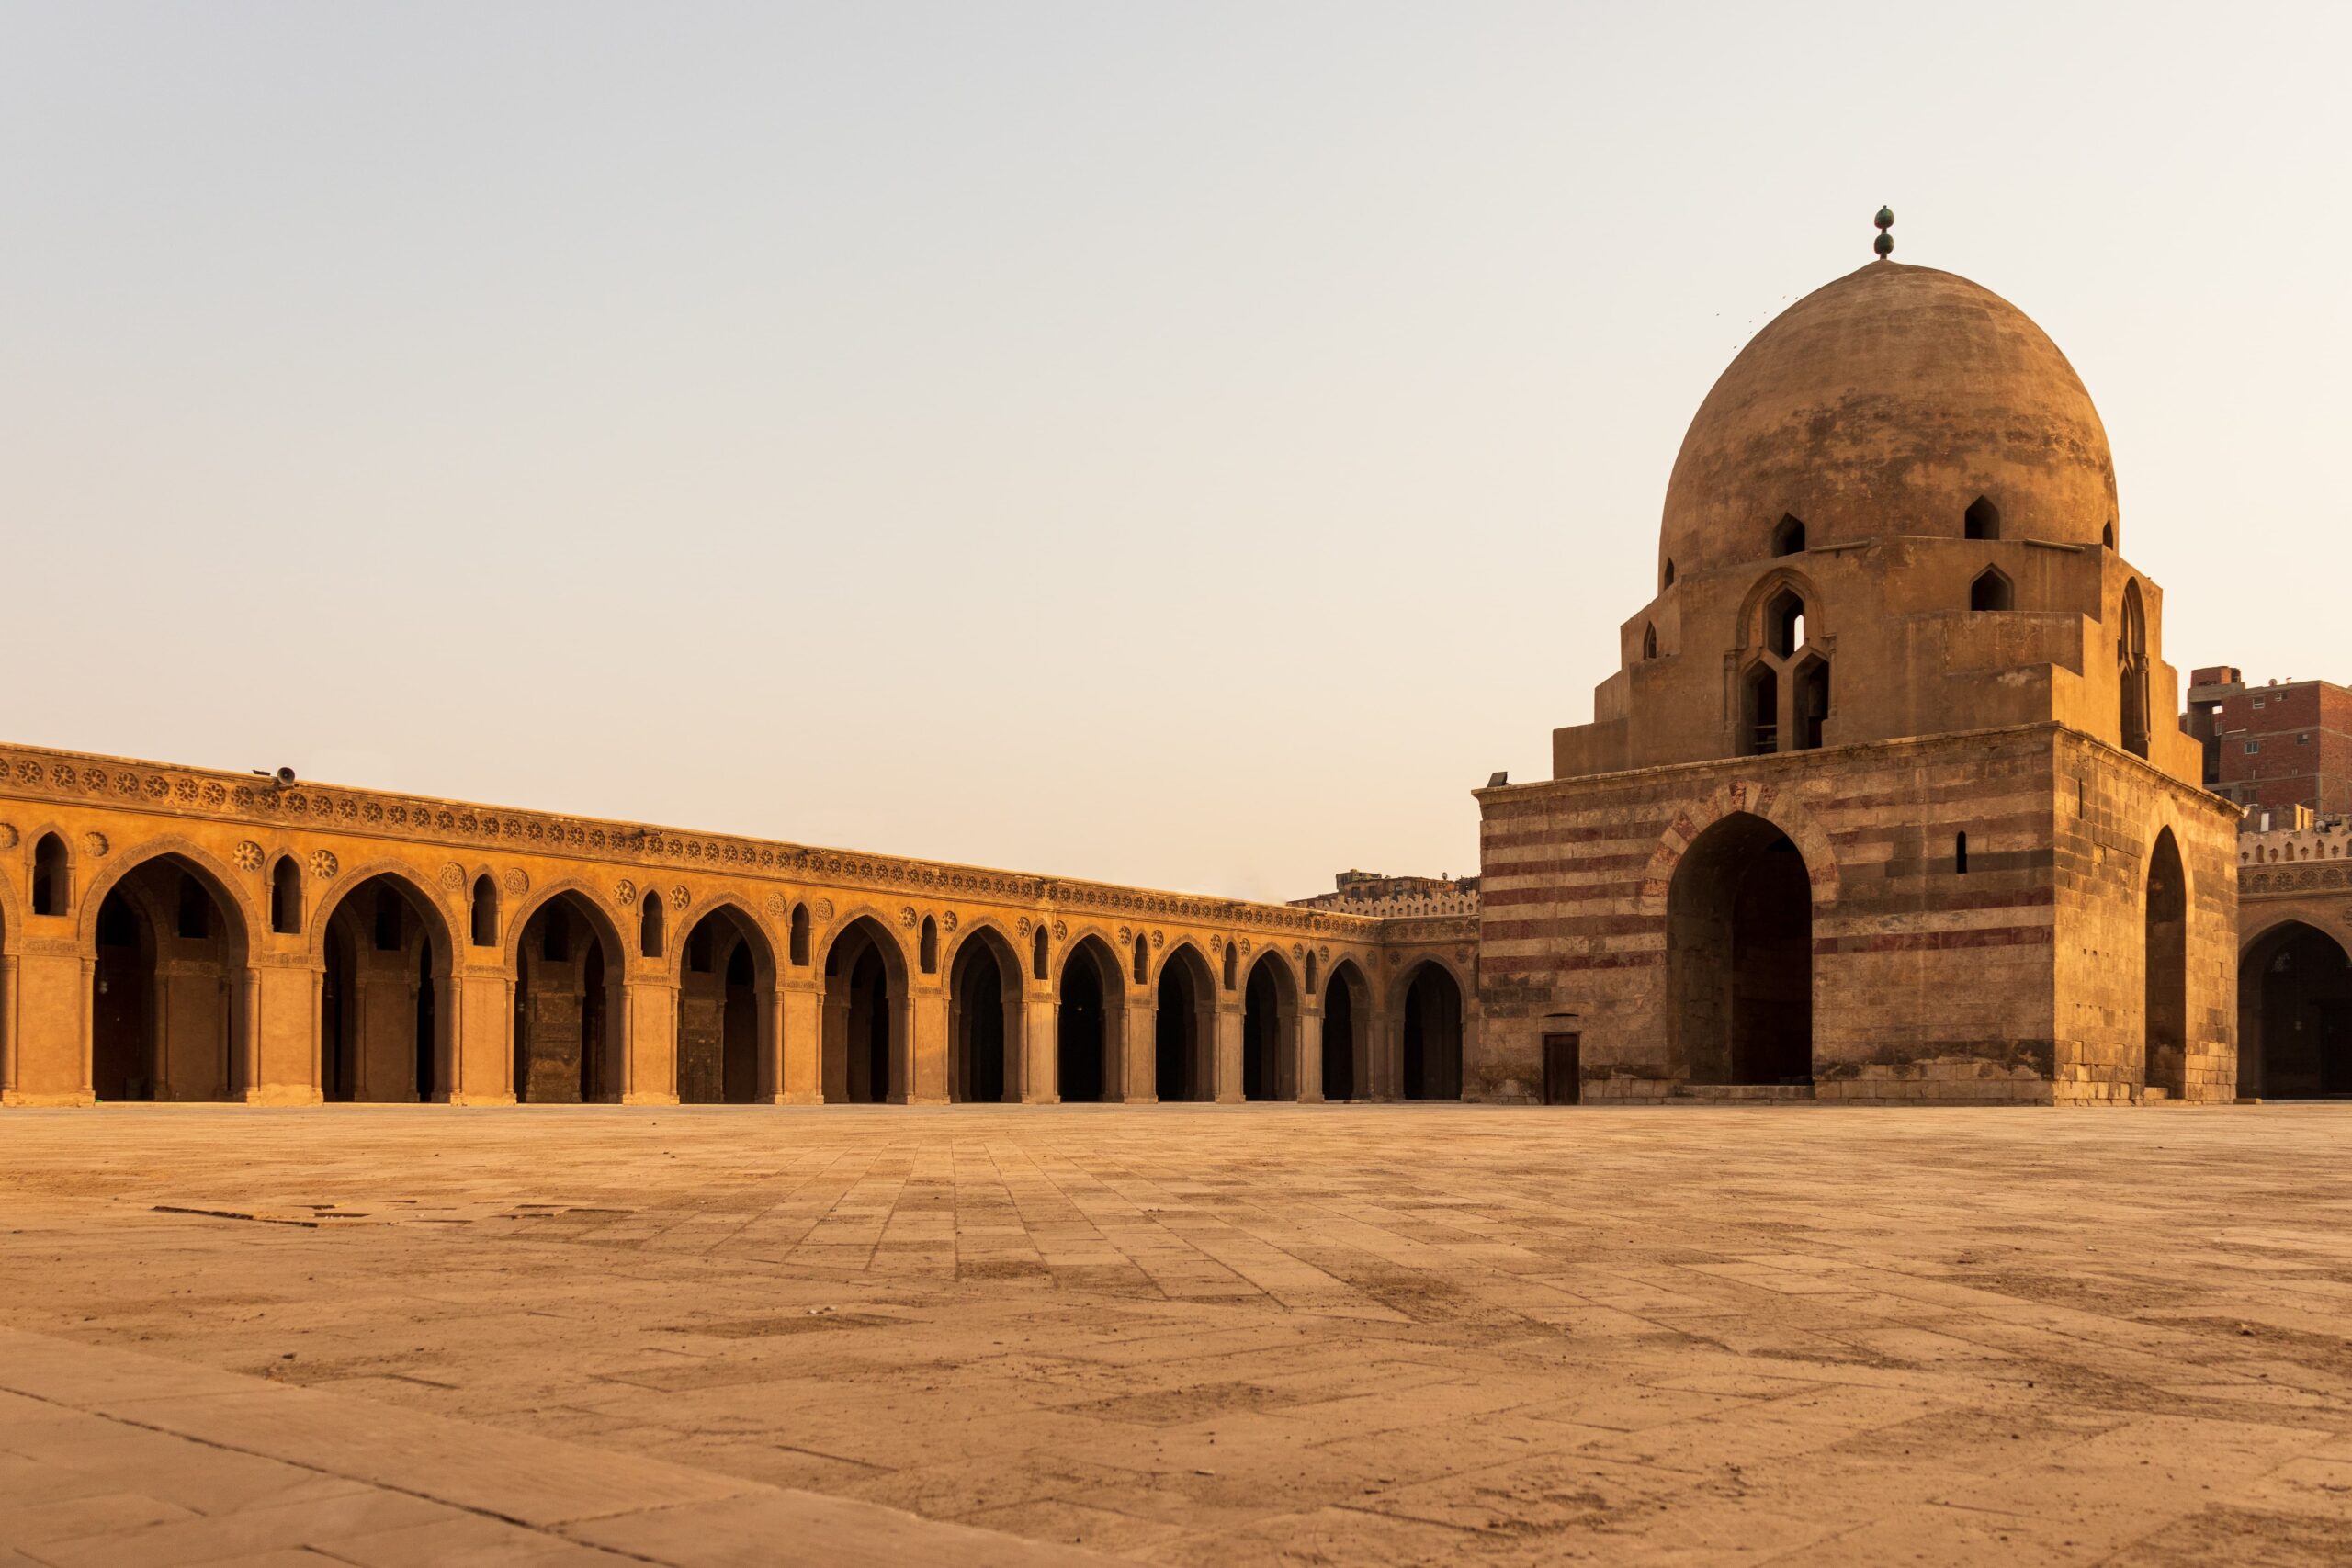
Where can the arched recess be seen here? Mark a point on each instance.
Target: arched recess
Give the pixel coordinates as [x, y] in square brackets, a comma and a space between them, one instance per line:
[1788, 534]
[1347, 1009]
[1184, 1027]
[52, 876]
[2166, 1007]
[286, 896]
[169, 989]
[866, 1022]
[727, 1008]
[1269, 1031]
[652, 917]
[1739, 956]
[570, 1010]
[2294, 1015]
[1991, 591]
[1089, 1021]
[387, 1010]
[985, 1020]
[1430, 1032]
[2131, 671]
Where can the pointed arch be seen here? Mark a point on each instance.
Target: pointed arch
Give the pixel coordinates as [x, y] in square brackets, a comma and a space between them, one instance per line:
[1991, 591]
[652, 917]
[1184, 1026]
[170, 1006]
[1432, 1021]
[2131, 670]
[1740, 921]
[567, 1042]
[386, 950]
[1788, 534]
[52, 876]
[867, 1026]
[286, 896]
[1269, 1030]
[1981, 520]
[725, 977]
[1090, 1022]
[2165, 1007]
[1347, 1014]
[986, 1019]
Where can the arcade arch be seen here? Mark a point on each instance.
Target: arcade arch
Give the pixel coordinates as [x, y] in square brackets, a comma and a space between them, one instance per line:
[2166, 1012]
[1269, 1031]
[2294, 1015]
[168, 989]
[570, 1006]
[726, 1009]
[1184, 1027]
[1431, 1034]
[985, 1020]
[384, 950]
[1347, 1007]
[1087, 1023]
[865, 1024]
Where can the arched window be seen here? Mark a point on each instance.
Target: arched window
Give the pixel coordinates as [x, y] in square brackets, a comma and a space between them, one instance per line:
[1143, 961]
[1038, 956]
[2107, 535]
[930, 945]
[649, 930]
[1788, 534]
[2131, 671]
[50, 891]
[1232, 962]
[1649, 641]
[485, 912]
[1991, 591]
[1311, 974]
[286, 896]
[1813, 704]
[1981, 520]
[1666, 576]
[800, 935]
[1959, 855]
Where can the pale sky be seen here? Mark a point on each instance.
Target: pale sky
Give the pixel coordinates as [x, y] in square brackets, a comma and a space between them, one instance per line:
[1191, 443]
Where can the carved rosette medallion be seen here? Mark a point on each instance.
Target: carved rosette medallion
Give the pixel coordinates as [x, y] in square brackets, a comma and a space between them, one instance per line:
[1158, 939]
[948, 921]
[515, 881]
[248, 856]
[323, 865]
[907, 916]
[623, 892]
[824, 910]
[97, 842]
[1061, 930]
[680, 897]
[775, 904]
[453, 876]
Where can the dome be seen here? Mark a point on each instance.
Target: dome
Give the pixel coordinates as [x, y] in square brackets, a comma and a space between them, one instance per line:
[1891, 402]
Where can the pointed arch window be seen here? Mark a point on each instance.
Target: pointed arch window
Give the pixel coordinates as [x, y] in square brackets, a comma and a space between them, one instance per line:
[651, 920]
[1232, 965]
[1649, 641]
[485, 912]
[1038, 956]
[1143, 961]
[930, 945]
[1788, 534]
[800, 936]
[51, 884]
[286, 896]
[1981, 520]
[1991, 591]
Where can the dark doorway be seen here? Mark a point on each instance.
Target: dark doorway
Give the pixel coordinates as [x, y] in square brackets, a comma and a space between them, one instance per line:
[2295, 1016]
[122, 1037]
[726, 977]
[1341, 1041]
[2167, 971]
[983, 992]
[167, 992]
[1739, 956]
[1563, 1068]
[379, 1006]
[1083, 1043]
[1269, 1028]
[1432, 1035]
[1181, 1032]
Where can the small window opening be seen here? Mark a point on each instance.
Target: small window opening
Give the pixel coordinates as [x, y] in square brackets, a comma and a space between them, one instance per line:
[1813, 704]
[1038, 956]
[1649, 642]
[1991, 591]
[1232, 963]
[1763, 711]
[1788, 535]
[195, 910]
[698, 949]
[800, 935]
[650, 919]
[286, 896]
[1143, 959]
[2106, 535]
[1959, 855]
[1311, 974]
[1982, 520]
[555, 935]
[930, 945]
[1666, 576]
[49, 875]
[388, 920]
[485, 912]
[1784, 623]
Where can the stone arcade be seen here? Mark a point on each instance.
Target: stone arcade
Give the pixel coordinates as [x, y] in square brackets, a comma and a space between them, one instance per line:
[1885, 802]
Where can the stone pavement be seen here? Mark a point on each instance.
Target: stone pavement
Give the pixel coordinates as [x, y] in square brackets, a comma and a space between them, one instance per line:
[1178, 1335]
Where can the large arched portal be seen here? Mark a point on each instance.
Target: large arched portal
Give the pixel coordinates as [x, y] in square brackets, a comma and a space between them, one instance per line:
[384, 1004]
[2294, 1015]
[726, 1009]
[167, 1003]
[1268, 1031]
[1184, 1030]
[984, 1020]
[1347, 1006]
[1432, 1035]
[2167, 970]
[865, 1024]
[1739, 956]
[568, 1005]
[1089, 1017]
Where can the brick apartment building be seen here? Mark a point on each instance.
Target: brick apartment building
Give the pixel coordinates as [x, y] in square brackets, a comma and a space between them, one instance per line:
[2273, 747]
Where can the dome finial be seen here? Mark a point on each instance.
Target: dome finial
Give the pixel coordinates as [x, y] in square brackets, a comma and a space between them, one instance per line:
[1884, 244]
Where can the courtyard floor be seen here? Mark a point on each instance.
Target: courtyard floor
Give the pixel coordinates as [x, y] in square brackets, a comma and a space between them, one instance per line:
[1174, 1335]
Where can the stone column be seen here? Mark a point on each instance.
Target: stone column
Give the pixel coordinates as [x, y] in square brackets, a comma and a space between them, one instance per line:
[1137, 1082]
[484, 1046]
[1308, 1073]
[801, 1006]
[925, 1070]
[645, 1035]
[9, 998]
[1041, 1044]
[1224, 1046]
